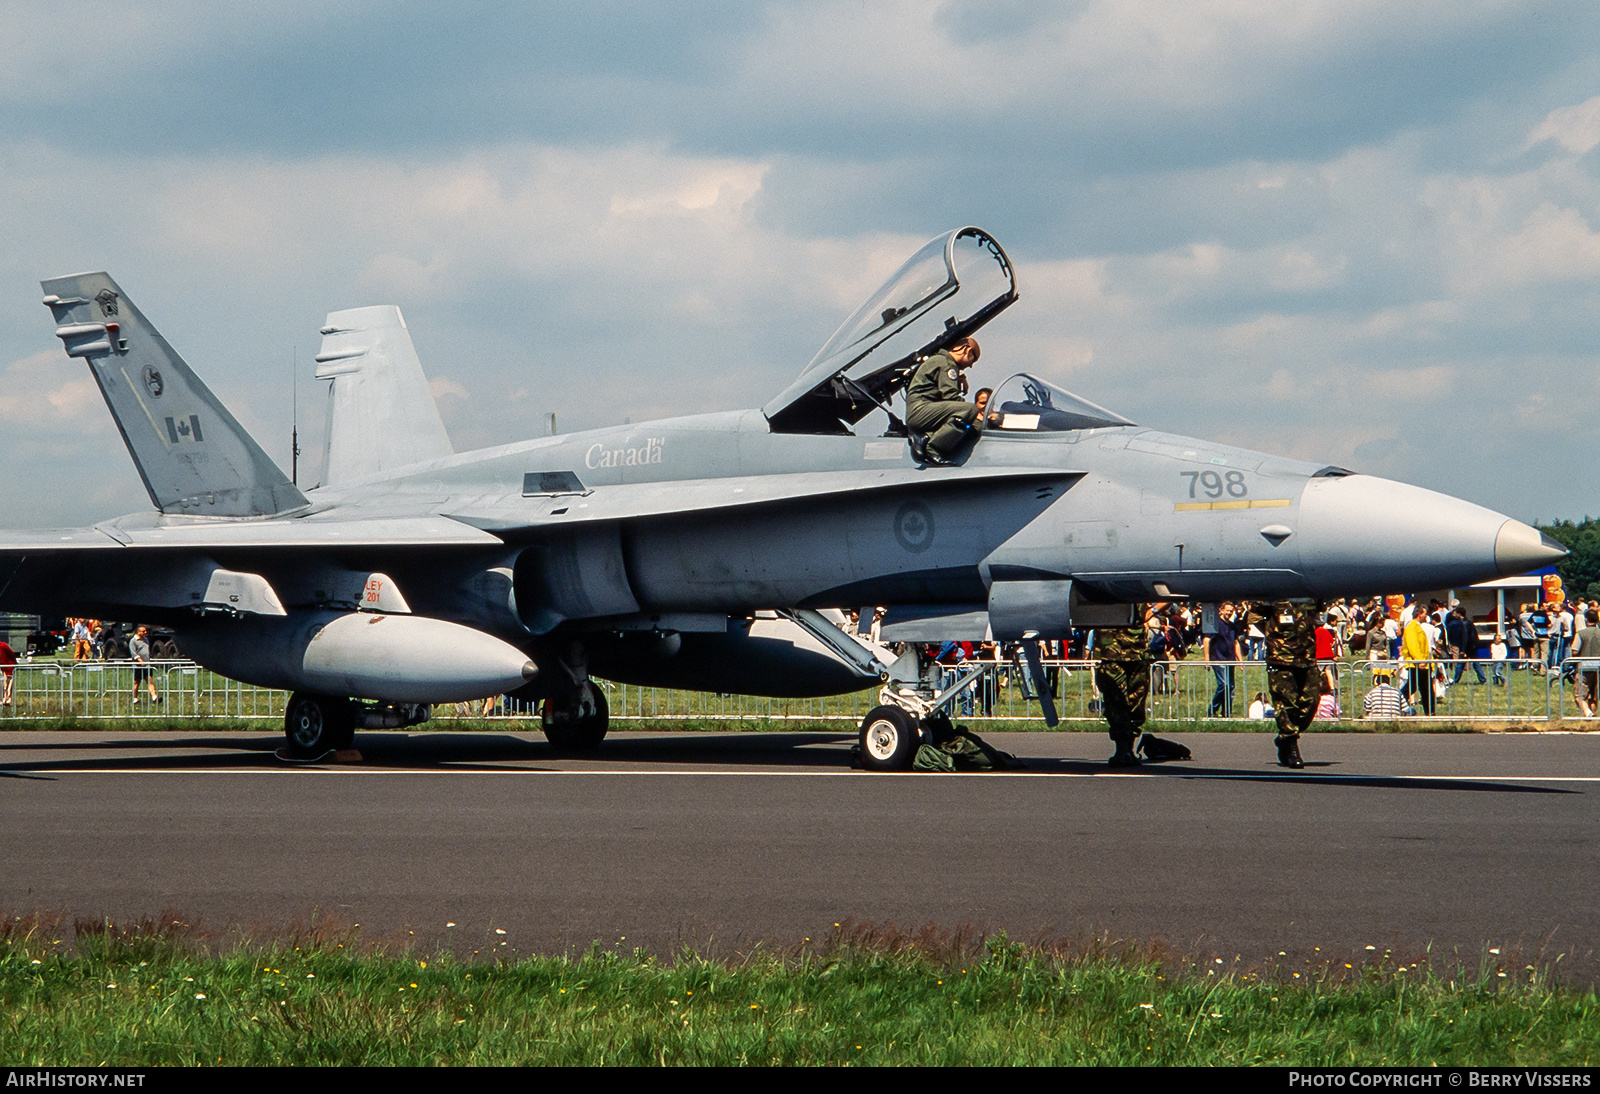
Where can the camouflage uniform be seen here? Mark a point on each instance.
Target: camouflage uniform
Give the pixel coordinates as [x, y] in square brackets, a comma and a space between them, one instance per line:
[1292, 673]
[1122, 673]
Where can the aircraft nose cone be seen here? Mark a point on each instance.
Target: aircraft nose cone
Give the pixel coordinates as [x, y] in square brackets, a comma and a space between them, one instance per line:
[1520, 548]
[1360, 532]
[529, 670]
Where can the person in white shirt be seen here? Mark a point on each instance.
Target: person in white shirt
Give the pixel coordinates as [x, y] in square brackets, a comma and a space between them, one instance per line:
[1561, 631]
[1382, 701]
[1433, 631]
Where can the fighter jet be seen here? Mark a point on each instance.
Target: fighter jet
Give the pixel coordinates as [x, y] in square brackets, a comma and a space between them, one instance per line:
[708, 552]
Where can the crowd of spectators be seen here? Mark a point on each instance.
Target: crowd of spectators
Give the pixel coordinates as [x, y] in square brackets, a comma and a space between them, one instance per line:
[92, 639]
[1413, 651]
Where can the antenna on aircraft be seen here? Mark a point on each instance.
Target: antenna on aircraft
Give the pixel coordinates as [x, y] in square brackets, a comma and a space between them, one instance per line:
[294, 416]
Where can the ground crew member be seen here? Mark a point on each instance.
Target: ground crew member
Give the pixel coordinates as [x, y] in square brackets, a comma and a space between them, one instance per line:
[934, 407]
[1293, 677]
[1122, 673]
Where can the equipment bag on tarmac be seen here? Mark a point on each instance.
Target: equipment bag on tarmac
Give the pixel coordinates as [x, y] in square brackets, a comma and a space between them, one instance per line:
[962, 750]
[1158, 749]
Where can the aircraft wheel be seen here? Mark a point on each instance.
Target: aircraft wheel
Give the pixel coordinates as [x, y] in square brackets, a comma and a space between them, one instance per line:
[575, 731]
[315, 725]
[889, 739]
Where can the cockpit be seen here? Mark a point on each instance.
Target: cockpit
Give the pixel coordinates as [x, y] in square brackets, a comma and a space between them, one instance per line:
[1027, 404]
[947, 290]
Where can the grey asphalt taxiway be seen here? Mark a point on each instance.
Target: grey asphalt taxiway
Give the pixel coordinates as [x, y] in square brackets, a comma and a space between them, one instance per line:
[1458, 842]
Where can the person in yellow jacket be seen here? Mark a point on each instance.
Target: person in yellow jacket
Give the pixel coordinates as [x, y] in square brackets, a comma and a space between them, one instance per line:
[1416, 650]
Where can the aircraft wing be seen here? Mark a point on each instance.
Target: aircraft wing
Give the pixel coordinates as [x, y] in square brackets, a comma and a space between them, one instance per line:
[56, 539]
[342, 531]
[484, 521]
[631, 501]
[425, 531]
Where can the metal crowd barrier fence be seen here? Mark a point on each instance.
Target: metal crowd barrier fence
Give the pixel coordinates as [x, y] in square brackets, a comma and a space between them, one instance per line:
[1445, 690]
[1183, 691]
[106, 690]
[116, 689]
[1002, 692]
[1006, 691]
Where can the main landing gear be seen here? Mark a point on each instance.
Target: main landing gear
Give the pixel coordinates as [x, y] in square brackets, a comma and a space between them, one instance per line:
[911, 714]
[315, 725]
[912, 707]
[577, 723]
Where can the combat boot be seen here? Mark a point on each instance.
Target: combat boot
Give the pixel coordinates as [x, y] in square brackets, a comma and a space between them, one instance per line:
[1288, 752]
[1124, 756]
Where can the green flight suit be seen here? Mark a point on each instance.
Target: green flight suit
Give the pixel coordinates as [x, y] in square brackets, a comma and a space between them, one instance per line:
[934, 405]
[1293, 676]
[1122, 673]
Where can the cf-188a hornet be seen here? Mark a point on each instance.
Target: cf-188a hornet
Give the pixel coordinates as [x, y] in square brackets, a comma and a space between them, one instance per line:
[708, 552]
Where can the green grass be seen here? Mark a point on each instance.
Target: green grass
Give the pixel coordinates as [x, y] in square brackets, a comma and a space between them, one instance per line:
[153, 995]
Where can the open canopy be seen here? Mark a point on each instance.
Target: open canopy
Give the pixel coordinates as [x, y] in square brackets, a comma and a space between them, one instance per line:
[948, 289]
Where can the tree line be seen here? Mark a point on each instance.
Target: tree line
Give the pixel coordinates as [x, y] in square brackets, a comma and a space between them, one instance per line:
[1580, 570]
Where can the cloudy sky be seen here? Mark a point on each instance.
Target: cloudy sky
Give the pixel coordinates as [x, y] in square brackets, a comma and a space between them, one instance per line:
[1354, 232]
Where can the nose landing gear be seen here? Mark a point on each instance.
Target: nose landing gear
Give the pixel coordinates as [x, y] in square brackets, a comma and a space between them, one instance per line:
[578, 723]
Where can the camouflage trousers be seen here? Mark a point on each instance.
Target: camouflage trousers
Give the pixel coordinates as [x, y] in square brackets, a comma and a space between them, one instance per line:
[1124, 687]
[1295, 691]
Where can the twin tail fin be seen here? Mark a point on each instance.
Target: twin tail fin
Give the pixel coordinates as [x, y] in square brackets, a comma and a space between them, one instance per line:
[193, 456]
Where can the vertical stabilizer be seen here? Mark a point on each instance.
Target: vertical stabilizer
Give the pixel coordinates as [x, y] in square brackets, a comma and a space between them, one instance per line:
[380, 413]
[193, 456]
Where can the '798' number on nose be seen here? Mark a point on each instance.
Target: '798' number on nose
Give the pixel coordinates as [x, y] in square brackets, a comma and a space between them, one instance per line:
[1214, 483]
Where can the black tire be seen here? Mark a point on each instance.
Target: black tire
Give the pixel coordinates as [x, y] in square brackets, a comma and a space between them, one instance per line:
[570, 735]
[314, 725]
[889, 739]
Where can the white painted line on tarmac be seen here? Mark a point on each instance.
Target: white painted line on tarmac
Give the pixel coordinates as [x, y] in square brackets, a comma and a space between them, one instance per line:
[1265, 776]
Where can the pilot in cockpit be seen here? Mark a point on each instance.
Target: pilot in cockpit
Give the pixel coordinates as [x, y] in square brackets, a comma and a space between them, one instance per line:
[986, 417]
[934, 407]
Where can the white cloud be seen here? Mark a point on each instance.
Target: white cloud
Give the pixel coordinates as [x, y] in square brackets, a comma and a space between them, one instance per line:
[1554, 244]
[1067, 283]
[1408, 385]
[1210, 268]
[1507, 233]
[49, 388]
[441, 386]
[1575, 128]
[1423, 321]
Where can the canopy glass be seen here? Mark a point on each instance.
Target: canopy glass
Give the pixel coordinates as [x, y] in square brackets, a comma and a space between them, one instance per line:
[946, 290]
[1027, 404]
